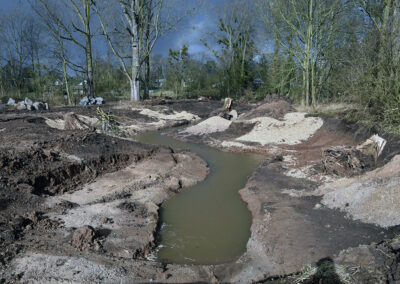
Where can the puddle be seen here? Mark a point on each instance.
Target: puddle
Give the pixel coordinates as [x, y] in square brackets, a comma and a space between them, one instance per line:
[207, 223]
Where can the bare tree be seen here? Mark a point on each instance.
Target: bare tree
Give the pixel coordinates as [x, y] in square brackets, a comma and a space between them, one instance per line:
[144, 22]
[15, 52]
[56, 33]
[78, 32]
[34, 35]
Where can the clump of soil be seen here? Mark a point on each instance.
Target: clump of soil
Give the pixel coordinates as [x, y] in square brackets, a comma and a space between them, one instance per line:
[83, 238]
[346, 161]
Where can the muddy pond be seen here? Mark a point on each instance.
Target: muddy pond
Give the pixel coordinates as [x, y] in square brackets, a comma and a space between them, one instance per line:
[207, 223]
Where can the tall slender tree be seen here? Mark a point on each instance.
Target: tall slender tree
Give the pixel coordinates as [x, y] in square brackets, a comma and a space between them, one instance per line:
[144, 23]
[79, 32]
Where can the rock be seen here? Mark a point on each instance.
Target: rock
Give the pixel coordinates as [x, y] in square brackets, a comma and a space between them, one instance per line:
[105, 220]
[373, 146]
[83, 237]
[233, 114]
[8, 236]
[21, 106]
[26, 188]
[395, 245]
[99, 101]
[86, 101]
[28, 101]
[11, 102]
[28, 107]
[38, 106]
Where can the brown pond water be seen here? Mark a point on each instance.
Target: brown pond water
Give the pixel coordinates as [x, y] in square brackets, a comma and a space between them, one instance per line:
[207, 223]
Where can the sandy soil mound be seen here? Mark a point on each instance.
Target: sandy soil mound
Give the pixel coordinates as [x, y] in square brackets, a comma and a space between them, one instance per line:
[276, 110]
[372, 198]
[73, 121]
[211, 125]
[169, 116]
[293, 129]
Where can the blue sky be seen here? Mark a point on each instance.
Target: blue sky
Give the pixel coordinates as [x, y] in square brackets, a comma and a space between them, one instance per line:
[9, 4]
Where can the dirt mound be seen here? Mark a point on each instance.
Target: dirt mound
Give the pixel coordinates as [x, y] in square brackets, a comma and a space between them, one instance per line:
[294, 129]
[371, 198]
[71, 121]
[40, 170]
[275, 109]
[211, 125]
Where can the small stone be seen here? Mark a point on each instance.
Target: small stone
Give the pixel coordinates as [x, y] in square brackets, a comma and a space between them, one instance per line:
[317, 206]
[26, 188]
[11, 102]
[84, 101]
[395, 246]
[21, 106]
[99, 101]
[233, 115]
[8, 236]
[28, 101]
[60, 262]
[39, 106]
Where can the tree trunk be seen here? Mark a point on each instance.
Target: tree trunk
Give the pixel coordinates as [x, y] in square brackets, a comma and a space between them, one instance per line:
[149, 15]
[308, 53]
[66, 79]
[134, 90]
[383, 49]
[88, 47]
[146, 94]
[135, 83]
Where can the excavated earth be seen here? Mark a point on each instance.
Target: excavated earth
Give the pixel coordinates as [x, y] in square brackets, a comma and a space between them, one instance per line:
[79, 205]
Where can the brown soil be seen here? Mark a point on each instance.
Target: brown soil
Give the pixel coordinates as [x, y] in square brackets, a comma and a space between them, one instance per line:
[78, 205]
[39, 163]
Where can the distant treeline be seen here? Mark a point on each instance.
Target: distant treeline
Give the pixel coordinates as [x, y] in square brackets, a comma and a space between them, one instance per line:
[313, 51]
